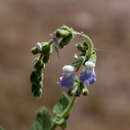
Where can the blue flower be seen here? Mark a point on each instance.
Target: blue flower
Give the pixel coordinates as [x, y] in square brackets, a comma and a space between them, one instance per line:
[88, 75]
[68, 79]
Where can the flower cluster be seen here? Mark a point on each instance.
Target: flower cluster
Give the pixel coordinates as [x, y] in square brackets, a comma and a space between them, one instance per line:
[69, 77]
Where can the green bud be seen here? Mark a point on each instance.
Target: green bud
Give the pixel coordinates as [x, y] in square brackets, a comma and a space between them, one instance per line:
[75, 90]
[85, 91]
[37, 89]
[65, 41]
[64, 27]
[35, 50]
[46, 48]
[81, 47]
[62, 33]
[85, 43]
[38, 64]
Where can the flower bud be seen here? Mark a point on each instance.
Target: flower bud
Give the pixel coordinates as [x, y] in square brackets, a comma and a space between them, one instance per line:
[61, 33]
[65, 40]
[45, 48]
[85, 91]
[35, 50]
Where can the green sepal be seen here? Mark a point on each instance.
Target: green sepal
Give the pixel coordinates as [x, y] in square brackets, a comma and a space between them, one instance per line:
[43, 120]
[77, 63]
[37, 89]
[38, 64]
[46, 58]
[35, 50]
[36, 76]
[61, 105]
[33, 76]
[75, 90]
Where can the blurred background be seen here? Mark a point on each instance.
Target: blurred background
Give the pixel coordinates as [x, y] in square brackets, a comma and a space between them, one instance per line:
[23, 23]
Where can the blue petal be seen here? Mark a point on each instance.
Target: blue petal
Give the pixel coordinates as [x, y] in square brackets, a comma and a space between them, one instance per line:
[91, 80]
[88, 76]
[67, 80]
[84, 75]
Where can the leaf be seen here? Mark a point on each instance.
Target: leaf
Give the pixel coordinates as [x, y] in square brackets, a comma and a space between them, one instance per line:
[62, 104]
[43, 120]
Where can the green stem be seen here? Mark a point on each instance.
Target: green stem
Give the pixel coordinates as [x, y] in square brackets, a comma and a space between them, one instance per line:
[66, 112]
[69, 108]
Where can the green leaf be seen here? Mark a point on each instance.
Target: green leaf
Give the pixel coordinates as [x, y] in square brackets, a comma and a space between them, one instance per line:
[62, 104]
[43, 120]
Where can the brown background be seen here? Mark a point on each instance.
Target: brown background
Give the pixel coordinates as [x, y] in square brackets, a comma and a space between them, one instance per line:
[24, 22]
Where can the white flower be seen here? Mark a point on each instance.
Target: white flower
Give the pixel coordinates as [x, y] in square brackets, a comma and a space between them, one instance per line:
[89, 65]
[39, 46]
[68, 68]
